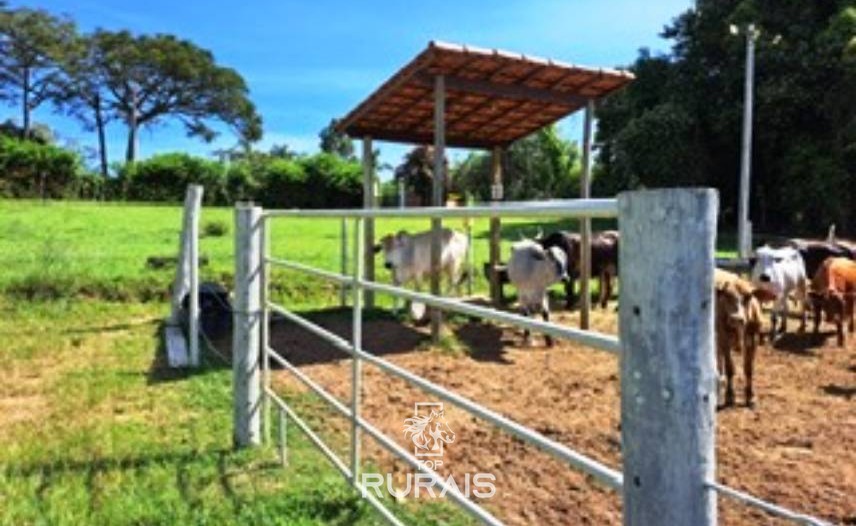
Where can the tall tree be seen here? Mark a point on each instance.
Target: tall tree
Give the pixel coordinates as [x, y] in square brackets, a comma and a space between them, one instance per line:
[153, 78]
[336, 142]
[82, 92]
[32, 42]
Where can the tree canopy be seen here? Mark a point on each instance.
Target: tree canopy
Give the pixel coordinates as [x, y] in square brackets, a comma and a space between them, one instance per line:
[149, 78]
[679, 123]
[141, 80]
[540, 166]
[32, 43]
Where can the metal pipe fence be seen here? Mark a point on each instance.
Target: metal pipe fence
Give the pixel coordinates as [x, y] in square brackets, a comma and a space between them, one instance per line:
[686, 414]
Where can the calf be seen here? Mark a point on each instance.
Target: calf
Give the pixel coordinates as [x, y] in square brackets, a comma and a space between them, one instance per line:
[738, 327]
[408, 256]
[604, 260]
[532, 269]
[777, 273]
[833, 290]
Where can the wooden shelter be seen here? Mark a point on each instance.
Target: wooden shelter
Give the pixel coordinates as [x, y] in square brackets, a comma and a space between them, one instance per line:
[470, 97]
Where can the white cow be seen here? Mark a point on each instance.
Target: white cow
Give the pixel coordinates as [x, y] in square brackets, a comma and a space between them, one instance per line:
[780, 272]
[408, 256]
[532, 269]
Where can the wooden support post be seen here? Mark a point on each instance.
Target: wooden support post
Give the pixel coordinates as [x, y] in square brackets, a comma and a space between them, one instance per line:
[369, 202]
[438, 195]
[585, 223]
[246, 381]
[495, 227]
[668, 374]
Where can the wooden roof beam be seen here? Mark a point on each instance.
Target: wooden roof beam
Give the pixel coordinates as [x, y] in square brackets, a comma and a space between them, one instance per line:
[506, 91]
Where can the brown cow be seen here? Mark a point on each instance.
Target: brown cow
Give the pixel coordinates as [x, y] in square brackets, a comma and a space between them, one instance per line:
[738, 327]
[833, 290]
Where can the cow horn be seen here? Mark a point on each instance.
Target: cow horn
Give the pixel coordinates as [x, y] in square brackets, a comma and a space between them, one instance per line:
[830, 237]
[540, 234]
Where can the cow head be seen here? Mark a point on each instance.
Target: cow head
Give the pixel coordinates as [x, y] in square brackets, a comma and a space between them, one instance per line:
[769, 269]
[393, 247]
[558, 260]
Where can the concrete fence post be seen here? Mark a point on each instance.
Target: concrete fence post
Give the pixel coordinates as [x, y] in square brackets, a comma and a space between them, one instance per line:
[668, 374]
[246, 366]
[187, 285]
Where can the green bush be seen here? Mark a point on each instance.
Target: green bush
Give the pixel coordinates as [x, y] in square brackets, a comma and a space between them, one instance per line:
[215, 229]
[165, 178]
[31, 169]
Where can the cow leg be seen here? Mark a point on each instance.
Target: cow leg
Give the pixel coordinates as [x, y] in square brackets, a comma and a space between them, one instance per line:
[545, 313]
[786, 312]
[604, 288]
[724, 345]
[774, 321]
[802, 290]
[850, 307]
[748, 364]
[816, 308]
[839, 325]
[527, 337]
[569, 293]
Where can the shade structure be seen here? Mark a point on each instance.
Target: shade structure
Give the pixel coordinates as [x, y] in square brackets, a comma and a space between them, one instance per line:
[463, 96]
[493, 97]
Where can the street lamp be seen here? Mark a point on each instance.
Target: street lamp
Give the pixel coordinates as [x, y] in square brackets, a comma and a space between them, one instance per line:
[744, 227]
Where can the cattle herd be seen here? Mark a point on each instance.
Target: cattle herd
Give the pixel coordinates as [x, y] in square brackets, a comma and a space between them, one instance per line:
[819, 276]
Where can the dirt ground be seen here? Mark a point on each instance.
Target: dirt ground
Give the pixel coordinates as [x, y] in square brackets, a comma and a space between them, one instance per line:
[797, 447]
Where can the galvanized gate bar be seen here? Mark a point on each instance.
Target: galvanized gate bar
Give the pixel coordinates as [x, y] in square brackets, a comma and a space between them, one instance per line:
[599, 471]
[389, 444]
[596, 340]
[329, 453]
[336, 461]
[769, 507]
[310, 383]
[313, 271]
[594, 208]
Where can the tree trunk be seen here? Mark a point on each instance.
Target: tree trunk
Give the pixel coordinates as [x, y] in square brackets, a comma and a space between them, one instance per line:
[133, 126]
[131, 150]
[25, 128]
[102, 140]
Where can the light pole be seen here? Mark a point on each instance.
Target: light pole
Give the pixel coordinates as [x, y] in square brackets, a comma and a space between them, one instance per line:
[744, 227]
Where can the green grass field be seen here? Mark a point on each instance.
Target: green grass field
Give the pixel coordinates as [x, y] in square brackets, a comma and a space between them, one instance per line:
[94, 429]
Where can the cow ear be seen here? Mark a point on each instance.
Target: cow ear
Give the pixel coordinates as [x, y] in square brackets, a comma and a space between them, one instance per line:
[539, 255]
[752, 260]
[377, 248]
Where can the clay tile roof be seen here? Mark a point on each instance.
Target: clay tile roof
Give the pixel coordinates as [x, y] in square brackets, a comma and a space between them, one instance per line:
[493, 97]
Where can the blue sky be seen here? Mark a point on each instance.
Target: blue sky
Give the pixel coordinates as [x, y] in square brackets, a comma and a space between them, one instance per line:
[306, 62]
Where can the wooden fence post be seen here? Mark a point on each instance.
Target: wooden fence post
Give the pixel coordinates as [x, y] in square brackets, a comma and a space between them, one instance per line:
[668, 375]
[246, 364]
